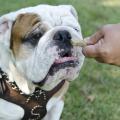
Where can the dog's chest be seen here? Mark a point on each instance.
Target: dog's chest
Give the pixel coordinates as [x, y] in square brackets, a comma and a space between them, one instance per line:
[34, 104]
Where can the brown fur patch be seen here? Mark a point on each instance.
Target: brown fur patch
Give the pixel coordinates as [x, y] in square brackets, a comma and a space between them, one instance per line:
[23, 24]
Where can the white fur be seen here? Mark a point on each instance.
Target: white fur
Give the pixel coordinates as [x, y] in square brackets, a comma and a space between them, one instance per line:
[55, 112]
[58, 13]
[55, 16]
[36, 65]
[10, 111]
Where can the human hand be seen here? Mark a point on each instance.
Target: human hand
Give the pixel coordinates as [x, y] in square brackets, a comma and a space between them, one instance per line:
[104, 45]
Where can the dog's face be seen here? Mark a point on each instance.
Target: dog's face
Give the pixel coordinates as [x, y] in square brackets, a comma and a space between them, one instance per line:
[40, 41]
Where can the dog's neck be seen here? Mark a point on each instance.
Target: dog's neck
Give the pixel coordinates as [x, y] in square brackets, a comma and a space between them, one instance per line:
[24, 85]
[37, 100]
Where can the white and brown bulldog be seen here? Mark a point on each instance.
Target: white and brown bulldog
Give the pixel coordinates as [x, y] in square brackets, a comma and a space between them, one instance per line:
[40, 59]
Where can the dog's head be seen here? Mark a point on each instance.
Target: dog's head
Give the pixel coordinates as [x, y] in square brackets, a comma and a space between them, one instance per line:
[36, 45]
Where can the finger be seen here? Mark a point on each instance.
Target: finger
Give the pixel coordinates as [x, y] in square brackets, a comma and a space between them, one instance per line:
[99, 60]
[94, 38]
[90, 51]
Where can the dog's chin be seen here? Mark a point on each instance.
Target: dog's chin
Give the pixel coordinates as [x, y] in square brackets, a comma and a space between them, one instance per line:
[63, 63]
[61, 69]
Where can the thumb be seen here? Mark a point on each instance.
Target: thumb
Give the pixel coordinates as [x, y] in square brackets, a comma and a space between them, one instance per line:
[90, 51]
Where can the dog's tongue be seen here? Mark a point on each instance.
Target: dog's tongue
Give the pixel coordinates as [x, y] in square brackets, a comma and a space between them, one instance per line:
[65, 59]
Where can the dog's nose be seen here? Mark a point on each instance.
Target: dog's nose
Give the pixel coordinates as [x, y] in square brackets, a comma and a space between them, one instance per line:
[62, 35]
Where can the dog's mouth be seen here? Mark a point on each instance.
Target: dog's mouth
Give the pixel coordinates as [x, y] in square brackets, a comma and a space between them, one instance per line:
[65, 60]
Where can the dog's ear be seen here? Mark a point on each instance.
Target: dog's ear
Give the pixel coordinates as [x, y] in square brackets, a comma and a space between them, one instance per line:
[73, 11]
[5, 32]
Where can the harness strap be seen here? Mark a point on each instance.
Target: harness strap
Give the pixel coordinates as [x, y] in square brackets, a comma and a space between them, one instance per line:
[34, 104]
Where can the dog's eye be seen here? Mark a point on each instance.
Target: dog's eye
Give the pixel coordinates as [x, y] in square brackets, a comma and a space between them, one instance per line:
[76, 29]
[33, 39]
[36, 37]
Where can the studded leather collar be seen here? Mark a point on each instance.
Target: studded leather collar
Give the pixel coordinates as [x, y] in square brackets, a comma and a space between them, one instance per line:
[34, 104]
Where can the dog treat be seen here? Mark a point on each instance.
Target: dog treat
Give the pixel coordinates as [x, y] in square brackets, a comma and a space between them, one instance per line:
[81, 43]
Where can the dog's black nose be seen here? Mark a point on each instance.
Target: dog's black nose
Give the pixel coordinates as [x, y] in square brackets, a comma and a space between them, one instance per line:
[62, 36]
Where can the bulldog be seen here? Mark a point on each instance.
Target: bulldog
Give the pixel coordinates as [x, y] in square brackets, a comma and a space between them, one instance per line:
[39, 58]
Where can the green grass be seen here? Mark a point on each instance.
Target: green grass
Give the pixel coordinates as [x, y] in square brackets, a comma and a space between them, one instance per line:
[96, 80]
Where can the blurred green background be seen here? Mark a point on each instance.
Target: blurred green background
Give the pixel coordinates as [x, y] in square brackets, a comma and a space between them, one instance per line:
[95, 95]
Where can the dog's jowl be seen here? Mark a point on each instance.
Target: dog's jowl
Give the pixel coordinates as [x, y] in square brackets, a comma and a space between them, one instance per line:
[37, 61]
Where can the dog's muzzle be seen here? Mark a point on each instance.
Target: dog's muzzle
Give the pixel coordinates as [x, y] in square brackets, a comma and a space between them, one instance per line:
[63, 40]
